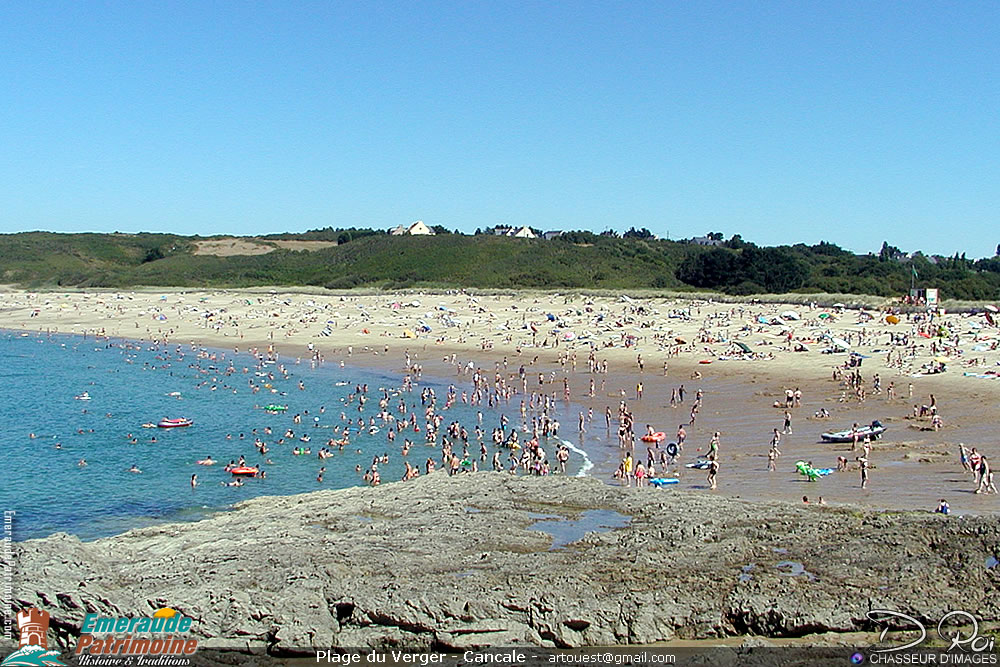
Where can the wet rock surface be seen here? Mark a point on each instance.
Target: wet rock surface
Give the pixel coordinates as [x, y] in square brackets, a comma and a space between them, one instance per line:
[448, 563]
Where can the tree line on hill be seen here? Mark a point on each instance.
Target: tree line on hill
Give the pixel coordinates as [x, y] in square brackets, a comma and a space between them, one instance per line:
[574, 259]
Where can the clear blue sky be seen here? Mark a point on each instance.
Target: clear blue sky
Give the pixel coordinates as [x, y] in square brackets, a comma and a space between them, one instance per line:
[852, 122]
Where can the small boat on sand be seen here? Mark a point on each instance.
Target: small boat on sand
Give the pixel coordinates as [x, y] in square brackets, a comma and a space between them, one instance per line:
[873, 431]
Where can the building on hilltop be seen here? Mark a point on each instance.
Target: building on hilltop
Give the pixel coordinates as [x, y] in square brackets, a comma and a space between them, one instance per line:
[417, 228]
[548, 236]
[705, 240]
[516, 232]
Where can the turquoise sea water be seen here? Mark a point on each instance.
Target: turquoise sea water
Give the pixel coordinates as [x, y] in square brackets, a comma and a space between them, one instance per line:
[133, 383]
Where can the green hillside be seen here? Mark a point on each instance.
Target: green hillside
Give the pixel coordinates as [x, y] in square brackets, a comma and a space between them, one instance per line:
[575, 260]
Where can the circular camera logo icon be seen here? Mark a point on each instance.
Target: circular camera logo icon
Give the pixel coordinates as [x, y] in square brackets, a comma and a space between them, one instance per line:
[857, 658]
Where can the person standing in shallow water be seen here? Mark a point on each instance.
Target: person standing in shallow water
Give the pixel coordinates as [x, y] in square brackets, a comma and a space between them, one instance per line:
[772, 459]
[984, 476]
[713, 447]
[713, 471]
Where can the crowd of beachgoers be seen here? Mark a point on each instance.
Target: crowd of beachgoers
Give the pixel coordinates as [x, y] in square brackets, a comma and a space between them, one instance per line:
[524, 358]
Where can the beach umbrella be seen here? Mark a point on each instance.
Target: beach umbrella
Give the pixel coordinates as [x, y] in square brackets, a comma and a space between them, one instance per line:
[992, 309]
[790, 315]
[892, 319]
[824, 316]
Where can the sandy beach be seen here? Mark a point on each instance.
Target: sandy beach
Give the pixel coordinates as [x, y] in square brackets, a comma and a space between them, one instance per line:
[742, 356]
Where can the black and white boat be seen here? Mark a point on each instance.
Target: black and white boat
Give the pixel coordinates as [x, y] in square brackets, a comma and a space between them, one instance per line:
[873, 431]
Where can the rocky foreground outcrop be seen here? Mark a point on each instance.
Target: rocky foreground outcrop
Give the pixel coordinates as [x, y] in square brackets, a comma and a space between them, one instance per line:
[450, 562]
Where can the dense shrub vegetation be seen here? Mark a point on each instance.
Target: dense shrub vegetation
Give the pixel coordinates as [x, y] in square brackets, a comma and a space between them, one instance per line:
[580, 259]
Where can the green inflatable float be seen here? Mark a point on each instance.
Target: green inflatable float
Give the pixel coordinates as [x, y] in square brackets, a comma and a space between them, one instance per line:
[811, 473]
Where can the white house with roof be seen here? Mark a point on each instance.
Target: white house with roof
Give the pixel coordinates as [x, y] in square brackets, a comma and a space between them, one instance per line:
[516, 232]
[417, 228]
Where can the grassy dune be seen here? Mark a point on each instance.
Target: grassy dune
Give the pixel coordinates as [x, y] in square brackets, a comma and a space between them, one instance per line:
[799, 274]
